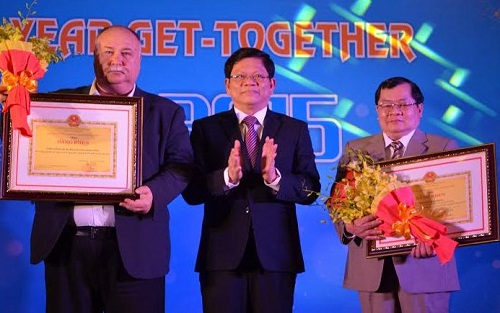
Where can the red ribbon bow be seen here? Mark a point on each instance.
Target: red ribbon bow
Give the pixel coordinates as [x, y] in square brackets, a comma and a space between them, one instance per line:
[400, 218]
[20, 72]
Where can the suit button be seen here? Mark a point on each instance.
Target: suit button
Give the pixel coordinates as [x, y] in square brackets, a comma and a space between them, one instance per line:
[247, 210]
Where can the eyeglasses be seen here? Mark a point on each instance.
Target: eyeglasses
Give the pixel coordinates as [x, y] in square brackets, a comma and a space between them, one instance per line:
[386, 106]
[255, 77]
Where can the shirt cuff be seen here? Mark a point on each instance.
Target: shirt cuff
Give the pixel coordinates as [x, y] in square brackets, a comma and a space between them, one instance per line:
[275, 185]
[226, 180]
[348, 235]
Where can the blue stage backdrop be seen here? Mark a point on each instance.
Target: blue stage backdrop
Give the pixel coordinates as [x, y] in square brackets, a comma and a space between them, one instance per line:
[330, 57]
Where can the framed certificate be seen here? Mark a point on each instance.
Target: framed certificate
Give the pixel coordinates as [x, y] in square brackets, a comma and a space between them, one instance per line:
[84, 149]
[458, 188]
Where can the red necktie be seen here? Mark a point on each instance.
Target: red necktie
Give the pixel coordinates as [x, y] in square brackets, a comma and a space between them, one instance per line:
[251, 138]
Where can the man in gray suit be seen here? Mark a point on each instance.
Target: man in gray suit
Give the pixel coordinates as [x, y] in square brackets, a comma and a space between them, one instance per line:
[412, 283]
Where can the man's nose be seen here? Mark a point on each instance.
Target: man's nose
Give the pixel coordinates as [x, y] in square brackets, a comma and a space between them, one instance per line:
[116, 58]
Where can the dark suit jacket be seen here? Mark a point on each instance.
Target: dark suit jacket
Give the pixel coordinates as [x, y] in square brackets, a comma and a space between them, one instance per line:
[143, 240]
[229, 215]
[415, 275]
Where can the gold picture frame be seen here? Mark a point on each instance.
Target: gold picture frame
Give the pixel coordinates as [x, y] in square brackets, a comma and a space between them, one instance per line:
[457, 188]
[84, 148]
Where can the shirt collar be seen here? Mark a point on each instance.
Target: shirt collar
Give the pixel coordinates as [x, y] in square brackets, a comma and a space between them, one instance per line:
[260, 115]
[95, 92]
[404, 140]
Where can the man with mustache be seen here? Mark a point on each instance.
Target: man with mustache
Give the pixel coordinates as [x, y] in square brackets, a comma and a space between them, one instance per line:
[114, 258]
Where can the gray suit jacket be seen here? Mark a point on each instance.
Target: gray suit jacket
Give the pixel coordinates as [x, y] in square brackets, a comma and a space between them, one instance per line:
[415, 275]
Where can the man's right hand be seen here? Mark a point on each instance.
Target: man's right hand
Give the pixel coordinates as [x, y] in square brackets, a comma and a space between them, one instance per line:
[365, 227]
[234, 163]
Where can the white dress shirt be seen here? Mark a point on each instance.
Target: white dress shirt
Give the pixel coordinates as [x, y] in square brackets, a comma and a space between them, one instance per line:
[95, 214]
[404, 140]
[259, 128]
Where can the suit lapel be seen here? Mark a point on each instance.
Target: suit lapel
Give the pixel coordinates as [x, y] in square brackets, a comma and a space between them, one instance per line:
[139, 93]
[86, 90]
[231, 132]
[376, 147]
[417, 144]
[272, 124]
[230, 127]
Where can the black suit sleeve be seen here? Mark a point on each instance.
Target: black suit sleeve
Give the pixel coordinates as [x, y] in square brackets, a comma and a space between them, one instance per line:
[302, 176]
[168, 156]
[208, 179]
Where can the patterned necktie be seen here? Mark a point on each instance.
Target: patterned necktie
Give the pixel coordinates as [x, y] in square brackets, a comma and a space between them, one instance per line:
[397, 148]
[251, 138]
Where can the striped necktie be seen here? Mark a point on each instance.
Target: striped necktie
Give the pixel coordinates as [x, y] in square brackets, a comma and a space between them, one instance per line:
[251, 138]
[397, 149]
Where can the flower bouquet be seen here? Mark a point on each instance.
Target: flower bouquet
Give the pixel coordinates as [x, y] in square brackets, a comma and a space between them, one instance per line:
[367, 189]
[22, 64]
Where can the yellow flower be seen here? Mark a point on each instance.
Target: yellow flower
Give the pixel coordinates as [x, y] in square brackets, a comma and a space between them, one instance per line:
[22, 63]
[358, 194]
[10, 44]
[44, 64]
[11, 37]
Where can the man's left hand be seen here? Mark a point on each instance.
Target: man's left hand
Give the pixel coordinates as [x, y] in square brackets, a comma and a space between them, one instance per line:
[267, 164]
[422, 250]
[141, 205]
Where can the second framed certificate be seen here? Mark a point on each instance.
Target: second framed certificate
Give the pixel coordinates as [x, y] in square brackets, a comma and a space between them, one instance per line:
[83, 149]
[457, 188]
